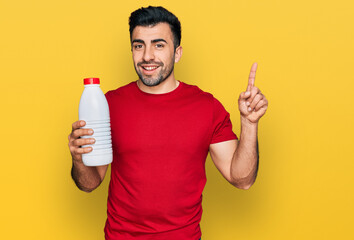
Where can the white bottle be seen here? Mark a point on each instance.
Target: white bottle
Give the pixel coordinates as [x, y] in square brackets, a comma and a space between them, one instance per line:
[94, 110]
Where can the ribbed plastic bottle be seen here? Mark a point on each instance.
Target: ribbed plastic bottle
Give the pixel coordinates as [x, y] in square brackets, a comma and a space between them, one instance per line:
[94, 110]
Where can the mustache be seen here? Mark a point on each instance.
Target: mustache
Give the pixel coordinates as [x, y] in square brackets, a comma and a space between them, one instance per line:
[150, 63]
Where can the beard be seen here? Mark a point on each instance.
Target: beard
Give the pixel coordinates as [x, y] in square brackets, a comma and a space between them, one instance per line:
[164, 73]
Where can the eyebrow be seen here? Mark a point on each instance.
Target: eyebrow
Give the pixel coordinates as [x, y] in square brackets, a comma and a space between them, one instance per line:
[158, 40]
[138, 40]
[152, 41]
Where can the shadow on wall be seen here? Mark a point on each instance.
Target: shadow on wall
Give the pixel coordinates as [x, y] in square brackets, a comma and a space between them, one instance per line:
[90, 210]
[229, 208]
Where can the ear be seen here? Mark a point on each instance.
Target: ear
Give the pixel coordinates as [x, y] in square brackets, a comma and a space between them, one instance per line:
[178, 53]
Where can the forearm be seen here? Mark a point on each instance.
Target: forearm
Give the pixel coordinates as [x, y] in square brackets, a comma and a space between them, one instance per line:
[244, 165]
[86, 178]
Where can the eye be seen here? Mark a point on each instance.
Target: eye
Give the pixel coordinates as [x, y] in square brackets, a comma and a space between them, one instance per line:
[138, 46]
[159, 45]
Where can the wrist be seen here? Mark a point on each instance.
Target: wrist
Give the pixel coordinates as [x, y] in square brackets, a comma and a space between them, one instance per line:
[247, 123]
[77, 162]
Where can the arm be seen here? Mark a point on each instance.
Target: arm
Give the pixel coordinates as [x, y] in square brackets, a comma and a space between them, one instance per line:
[244, 165]
[86, 178]
[238, 160]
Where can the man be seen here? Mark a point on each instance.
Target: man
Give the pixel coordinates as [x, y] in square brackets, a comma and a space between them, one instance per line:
[162, 131]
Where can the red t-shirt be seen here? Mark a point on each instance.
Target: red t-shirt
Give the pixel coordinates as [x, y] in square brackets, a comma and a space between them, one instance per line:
[160, 144]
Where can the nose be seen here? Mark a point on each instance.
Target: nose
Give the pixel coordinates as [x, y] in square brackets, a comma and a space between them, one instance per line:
[148, 54]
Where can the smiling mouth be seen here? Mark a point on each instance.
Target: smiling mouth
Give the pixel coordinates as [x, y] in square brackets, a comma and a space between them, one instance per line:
[149, 68]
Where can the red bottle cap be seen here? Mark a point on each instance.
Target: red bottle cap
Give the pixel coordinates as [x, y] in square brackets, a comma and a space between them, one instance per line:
[91, 81]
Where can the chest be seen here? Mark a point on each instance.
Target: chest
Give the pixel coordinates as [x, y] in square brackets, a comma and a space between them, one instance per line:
[149, 127]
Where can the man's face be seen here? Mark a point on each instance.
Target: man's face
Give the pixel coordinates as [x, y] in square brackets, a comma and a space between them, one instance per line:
[153, 53]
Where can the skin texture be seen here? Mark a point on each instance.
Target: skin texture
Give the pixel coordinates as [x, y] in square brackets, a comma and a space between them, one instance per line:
[86, 178]
[237, 160]
[152, 47]
[149, 51]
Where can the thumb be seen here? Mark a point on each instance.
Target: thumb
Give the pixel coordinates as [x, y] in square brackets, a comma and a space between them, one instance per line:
[245, 95]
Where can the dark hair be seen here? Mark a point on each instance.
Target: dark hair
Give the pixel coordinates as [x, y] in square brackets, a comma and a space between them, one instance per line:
[151, 16]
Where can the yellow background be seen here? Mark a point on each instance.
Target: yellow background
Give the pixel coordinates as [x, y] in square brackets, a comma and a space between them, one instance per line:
[304, 51]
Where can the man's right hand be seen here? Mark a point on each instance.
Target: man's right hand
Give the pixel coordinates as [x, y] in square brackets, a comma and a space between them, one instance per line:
[75, 142]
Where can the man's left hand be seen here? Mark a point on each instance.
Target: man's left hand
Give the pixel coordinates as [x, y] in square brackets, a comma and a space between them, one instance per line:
[252, 103]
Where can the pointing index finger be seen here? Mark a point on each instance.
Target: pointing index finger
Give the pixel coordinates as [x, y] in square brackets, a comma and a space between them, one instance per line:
[252, 76]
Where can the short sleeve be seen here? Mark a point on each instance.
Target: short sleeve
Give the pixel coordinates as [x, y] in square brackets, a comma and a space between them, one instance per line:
[222, 126]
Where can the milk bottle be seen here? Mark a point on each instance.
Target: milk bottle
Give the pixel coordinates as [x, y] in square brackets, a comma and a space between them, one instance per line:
[93, 109]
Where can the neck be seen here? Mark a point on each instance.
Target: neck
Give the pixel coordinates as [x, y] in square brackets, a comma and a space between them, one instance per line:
[166, 86]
